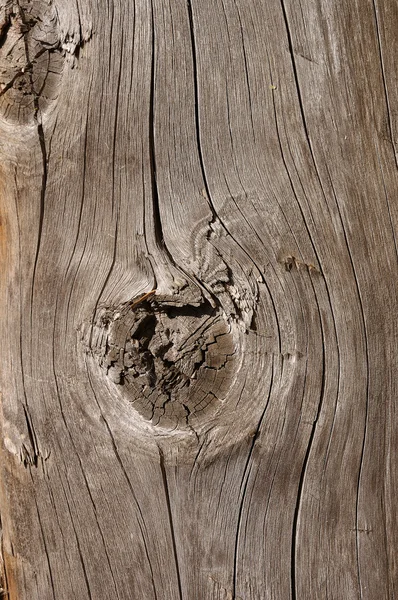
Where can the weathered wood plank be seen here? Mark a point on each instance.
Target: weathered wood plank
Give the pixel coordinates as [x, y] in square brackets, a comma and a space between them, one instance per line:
[198, 249]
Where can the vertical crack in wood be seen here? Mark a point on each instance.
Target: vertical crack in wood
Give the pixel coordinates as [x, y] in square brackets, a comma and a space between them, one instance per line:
[383, 75]
[156, 216]
[41, 137]
[157, 222]
[27, 457]
[141, 521]
[44, 540]
[171, 522]
[244, 484]
[3, 574]
[296, 79]
[215, 217]
[7, 579]
[366, 415]
[300, 487]
[196, 104]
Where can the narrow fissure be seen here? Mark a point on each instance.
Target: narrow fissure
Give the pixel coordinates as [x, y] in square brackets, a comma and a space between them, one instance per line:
[5, 27]
[244, 483]
[296, 79]
[78, 545]
[383, 74]
[170, 514]
[302, 477]
[249, 92]
[367, 387]
[141, 525]
[45, 546]
[4, 583]
[152, 155]
[310, 441]
[115, 124]
[197, 116]
[43, 149]
[31, 460]
[157, 220]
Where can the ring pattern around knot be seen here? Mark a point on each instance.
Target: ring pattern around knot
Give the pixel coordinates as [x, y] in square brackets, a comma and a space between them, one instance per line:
[31, 60]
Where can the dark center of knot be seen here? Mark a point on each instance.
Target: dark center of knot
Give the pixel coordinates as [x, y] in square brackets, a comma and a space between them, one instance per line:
[174, 364]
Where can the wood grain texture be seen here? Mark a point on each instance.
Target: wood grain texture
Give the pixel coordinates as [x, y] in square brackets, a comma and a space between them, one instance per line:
[199, 299]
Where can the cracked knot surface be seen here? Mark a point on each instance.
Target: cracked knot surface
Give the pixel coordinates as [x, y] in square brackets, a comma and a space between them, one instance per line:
[175, 364]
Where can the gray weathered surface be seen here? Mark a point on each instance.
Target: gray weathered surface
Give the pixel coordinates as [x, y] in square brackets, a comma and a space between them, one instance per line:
[231, 434]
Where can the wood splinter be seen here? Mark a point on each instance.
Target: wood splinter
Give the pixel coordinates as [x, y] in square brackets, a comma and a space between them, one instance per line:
[142, 299]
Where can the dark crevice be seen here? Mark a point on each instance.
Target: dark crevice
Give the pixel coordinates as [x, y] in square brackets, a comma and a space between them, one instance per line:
[157, 221]
[337, 344]
[363, 319]
[29, 459]
[82, 197]
[40, 131]
[78, 546]
[291, 184]
[46, 551]
[246, 71]
[116, 236]
[244, 484]
[296, 79]
[170, 514]
[289, 265]
[105, 282]
[302, 112]
[152, 154]
[215, 217]
[319, 262]
[301, 485]
[387, 202]
[140, 520]
[5, 27]
[213, 211]
[383, 73]
[80, 462]
[174, 312]
[4, 581]
[197, 116]
[231, 138]
[111, 20]
[115, 124]
[311, 438]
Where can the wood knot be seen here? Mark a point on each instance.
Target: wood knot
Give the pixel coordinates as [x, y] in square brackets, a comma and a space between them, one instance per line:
[173, 363]
[31, 59]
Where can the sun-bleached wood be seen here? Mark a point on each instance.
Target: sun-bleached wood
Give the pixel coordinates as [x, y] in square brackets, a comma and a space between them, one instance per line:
[199, 299]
